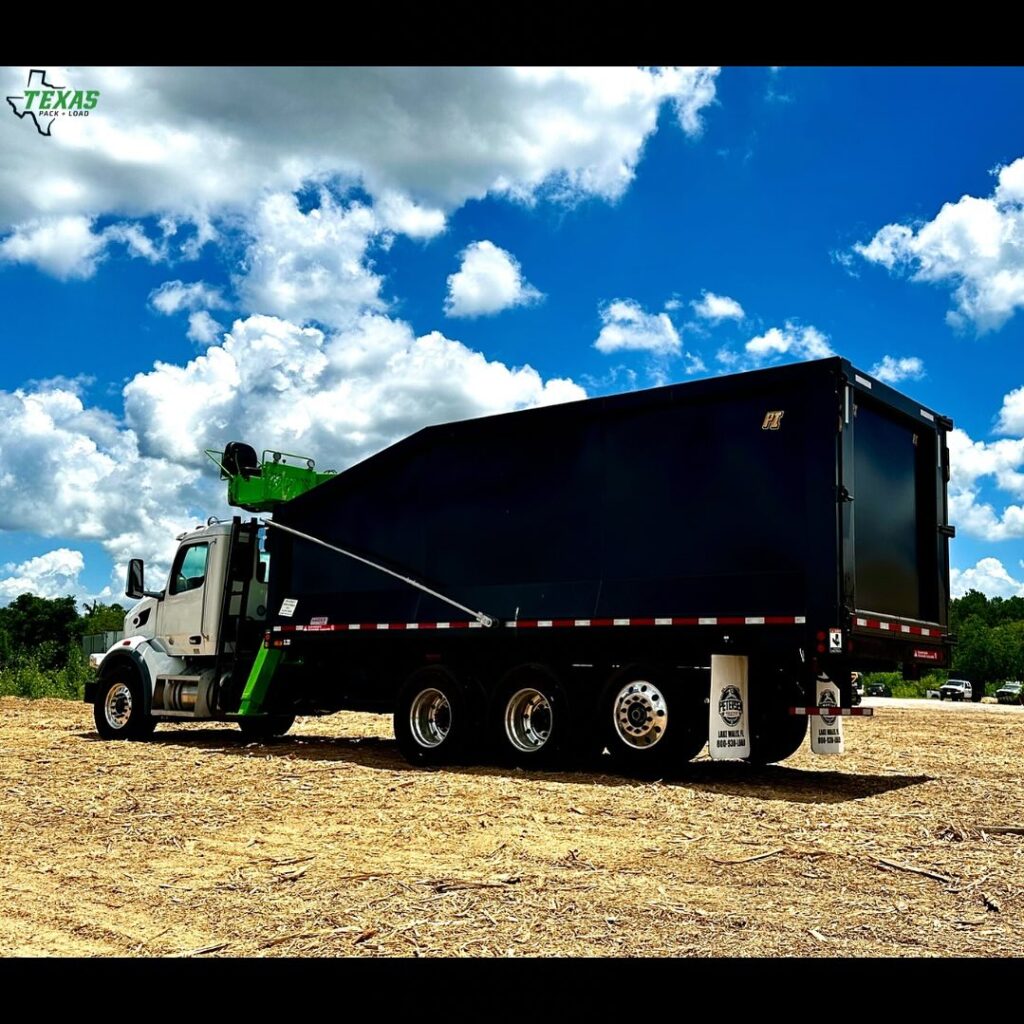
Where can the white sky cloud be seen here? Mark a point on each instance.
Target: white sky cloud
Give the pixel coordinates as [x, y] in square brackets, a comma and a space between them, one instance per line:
[1011, 415]
[989, 576]
[893, 369]
[974, 246]
[626, 327]
[421, 141]
[53, 574]
[202, 328]
[777, 344]
[175, 296]
[488, 280]
[310, 266]
[972, 461]
[717, 307]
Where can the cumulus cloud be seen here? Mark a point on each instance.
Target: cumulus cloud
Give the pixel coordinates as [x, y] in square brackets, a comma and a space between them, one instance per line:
[626, 327]
[53, 574]
[488, 280]
[717, 307]
[69, 248]
[970, 463]
[776, 345]
[892, 369]
[74, 472]
[988, 575]
[65, 247]
[338, 396]
[313, 265]
[202, 328]
[974, 246]
[420, 141]
[1011, 415]
[176, 296]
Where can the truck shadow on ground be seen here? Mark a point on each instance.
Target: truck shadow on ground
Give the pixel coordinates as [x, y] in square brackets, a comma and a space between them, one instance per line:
[774, 782]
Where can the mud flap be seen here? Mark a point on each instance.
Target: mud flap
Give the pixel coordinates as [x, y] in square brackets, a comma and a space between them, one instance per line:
[826, 730]
[729, 726]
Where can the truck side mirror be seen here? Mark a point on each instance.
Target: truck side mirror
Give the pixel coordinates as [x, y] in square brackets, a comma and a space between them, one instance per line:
[134, 586]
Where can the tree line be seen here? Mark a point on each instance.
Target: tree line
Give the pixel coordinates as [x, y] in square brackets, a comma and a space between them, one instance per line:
[48, 631]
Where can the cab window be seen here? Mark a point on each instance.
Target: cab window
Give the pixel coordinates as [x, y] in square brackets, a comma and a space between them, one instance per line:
[189, 570]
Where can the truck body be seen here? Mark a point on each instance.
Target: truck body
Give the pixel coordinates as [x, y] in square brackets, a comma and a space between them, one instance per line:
[632, 573]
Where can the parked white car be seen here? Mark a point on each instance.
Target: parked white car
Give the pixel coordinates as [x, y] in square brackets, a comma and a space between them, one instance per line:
[956, 689]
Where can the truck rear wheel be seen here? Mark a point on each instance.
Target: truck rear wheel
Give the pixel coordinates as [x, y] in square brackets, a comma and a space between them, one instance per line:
[775, 734]
[650, 721]
[530, 717]
[119, 710]
[435, 717]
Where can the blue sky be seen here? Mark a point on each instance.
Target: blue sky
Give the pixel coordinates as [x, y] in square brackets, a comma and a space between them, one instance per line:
[410, 246]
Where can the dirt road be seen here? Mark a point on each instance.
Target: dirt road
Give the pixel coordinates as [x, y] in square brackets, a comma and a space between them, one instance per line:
[328, 844]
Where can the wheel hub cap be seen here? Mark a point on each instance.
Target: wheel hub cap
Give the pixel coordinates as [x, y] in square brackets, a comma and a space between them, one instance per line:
[640, 714]
[117, 708]
[528, 720]
[430, 718]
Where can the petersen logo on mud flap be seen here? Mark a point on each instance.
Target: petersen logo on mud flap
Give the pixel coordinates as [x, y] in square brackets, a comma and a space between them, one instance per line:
[827, 700]
[730, 706]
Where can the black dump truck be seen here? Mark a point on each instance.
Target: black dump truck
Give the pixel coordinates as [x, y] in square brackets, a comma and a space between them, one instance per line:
[635, 575]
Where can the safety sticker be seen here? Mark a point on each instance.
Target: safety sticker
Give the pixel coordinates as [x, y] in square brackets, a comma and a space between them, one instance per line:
[835, 641]
[288, 606]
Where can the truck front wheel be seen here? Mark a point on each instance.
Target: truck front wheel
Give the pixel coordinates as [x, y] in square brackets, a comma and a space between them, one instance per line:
[119, 710]
[435, 717]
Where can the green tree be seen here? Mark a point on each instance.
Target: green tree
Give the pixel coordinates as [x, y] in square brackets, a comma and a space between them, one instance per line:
[101, 618]
[40, 628]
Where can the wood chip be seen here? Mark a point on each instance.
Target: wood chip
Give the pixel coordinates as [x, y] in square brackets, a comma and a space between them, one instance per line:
[818, 935]
[364, 936]
[748, 860]
[206, 949]
[992, 903]
[322, 933]
[914, 871]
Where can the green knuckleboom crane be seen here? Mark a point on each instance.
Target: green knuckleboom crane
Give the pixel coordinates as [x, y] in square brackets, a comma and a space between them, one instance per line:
[260, 485]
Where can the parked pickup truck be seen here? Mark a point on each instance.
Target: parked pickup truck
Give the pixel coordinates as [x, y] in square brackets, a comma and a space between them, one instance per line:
[956, 689]
[1009, 693]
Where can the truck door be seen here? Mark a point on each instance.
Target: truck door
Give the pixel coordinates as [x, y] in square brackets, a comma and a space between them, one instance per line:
[181, 614]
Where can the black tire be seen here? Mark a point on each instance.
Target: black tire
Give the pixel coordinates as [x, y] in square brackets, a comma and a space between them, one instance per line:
[436, 718]
[265, 727]
[530, 720]
[775, 734]
[119, 709]
[652, 720]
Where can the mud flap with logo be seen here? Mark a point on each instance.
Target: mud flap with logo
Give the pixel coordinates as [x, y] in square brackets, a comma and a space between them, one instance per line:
[729, 728]
[826, 729]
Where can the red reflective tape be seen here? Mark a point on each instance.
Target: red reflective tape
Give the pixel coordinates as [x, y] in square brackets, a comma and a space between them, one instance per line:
[602, 622]
[641, 622]
[731, 620]
[563, 623]
[686, 622]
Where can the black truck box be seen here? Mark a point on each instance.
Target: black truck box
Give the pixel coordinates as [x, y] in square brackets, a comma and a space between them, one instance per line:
[810, 492]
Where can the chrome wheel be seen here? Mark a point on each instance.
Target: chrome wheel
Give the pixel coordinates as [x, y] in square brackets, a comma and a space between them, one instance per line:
[640, 714]
[117, 707]
[430, 718]
[528, 720]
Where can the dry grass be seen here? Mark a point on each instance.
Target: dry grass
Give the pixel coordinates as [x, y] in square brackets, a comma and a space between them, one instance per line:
[328, 844]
